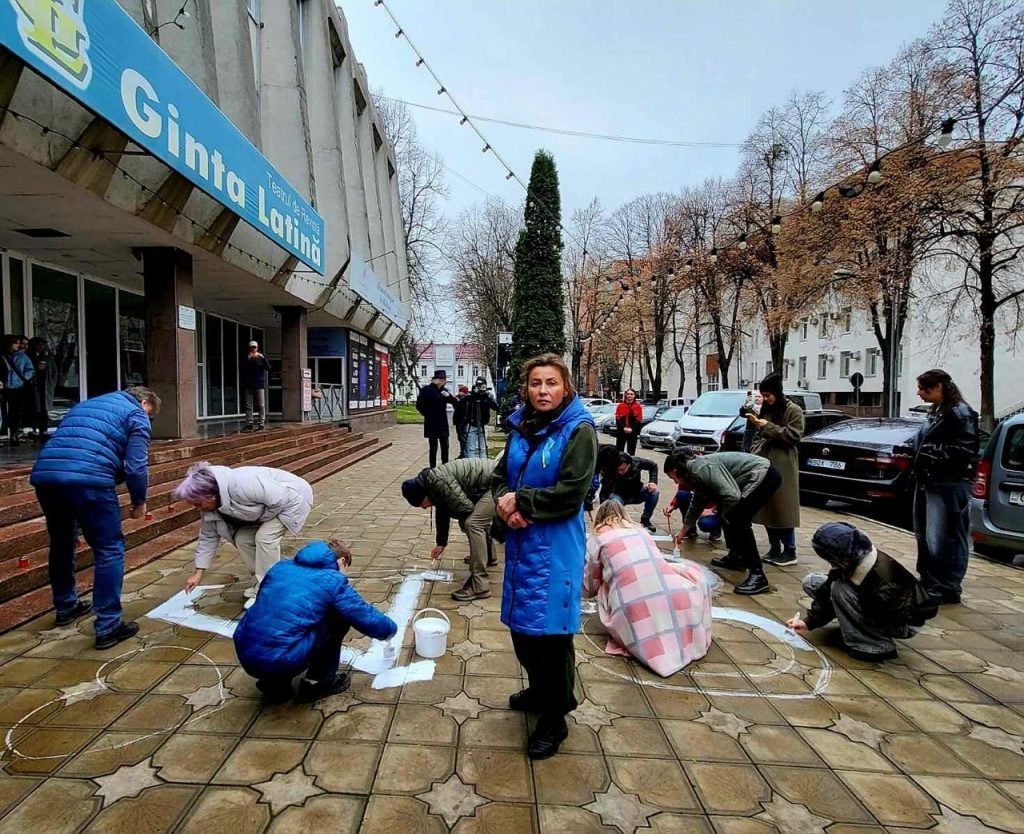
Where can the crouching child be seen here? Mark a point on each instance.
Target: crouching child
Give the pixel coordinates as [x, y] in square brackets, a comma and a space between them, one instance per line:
[302, 613]
[871, 595]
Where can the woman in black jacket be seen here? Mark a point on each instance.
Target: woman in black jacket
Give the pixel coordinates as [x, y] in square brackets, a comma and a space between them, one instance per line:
[945, 452]
[39, 408]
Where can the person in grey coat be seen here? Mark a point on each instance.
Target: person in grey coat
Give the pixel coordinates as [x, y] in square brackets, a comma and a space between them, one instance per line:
[740, 485]
[779, 428]
[250, 506]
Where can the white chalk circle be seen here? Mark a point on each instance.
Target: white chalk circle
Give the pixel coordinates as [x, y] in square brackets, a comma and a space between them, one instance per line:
[99, 684]
[788, 638]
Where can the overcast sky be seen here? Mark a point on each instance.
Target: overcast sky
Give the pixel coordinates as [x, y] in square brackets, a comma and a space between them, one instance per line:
[685, 70]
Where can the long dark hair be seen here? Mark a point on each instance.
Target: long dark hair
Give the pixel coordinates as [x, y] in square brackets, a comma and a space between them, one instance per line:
[772, 384]
[951, 396]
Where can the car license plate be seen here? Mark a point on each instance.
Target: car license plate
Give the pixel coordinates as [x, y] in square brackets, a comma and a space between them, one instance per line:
[826, 464]
[1017, 498]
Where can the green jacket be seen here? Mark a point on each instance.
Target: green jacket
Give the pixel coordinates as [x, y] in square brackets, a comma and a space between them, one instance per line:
[722, 478]
[454, 488]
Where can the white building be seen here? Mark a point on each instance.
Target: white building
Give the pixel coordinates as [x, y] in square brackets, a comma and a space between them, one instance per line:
[460, 362]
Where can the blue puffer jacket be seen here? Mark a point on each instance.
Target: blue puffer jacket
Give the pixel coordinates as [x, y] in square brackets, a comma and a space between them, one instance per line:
[544, 561]
[277, 635]
[20, 361]
[100, 443]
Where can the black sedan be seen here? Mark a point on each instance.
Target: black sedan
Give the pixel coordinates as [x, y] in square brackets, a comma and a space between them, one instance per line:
[813, 421]
[649, 411]
[864, 461]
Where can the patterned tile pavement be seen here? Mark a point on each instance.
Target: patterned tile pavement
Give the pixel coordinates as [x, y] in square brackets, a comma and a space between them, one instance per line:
[166, 733]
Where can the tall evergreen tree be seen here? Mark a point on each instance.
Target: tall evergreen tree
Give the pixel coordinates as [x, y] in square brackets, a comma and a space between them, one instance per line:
[538, 318]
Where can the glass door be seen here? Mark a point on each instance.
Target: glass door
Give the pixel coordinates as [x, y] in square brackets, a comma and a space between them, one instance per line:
[55, 318]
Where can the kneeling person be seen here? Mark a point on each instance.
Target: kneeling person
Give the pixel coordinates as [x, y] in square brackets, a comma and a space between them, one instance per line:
[873, 597]
[460, 489]
[304, 609]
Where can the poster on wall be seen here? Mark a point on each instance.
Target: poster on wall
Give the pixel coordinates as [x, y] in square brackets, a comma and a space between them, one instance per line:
[384, 379]
[355, 347]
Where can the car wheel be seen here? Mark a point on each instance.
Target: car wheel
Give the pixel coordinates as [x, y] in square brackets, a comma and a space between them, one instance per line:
[809, 499]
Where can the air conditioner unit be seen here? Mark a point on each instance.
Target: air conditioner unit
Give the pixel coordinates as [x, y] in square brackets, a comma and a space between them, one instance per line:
[855, 356]
[813, 319]
[802, 383]
[831, 357]
[787, 362]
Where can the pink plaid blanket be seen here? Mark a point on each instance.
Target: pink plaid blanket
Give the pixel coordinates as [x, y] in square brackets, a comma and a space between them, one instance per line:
[658, 611]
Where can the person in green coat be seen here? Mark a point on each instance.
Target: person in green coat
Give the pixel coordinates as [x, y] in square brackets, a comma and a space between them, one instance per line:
[461, 490]
[779, 429]
[740, 485]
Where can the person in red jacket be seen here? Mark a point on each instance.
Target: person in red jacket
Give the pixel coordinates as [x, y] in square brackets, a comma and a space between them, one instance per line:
[629, 418]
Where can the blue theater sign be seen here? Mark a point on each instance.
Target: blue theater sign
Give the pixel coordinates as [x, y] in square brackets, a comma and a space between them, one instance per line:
[97, 54]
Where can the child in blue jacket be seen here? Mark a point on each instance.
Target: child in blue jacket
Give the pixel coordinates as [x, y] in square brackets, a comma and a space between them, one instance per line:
[304, 609]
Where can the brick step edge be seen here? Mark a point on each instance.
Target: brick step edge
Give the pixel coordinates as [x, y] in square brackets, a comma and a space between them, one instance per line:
[16, 482]
[38, 601]
[26, 508]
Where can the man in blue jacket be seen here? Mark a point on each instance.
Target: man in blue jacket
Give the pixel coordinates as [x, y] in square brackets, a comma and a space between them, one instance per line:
[304, 609]
[101, 443]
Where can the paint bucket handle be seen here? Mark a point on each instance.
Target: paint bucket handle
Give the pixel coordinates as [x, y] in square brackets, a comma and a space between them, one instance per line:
[436, 611]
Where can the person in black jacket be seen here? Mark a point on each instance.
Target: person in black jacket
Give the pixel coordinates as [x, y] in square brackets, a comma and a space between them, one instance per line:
[628, 487]
[874, 598]
[459, 418]
[40, 404]
[479, 406]
[432, 403]
[254, 383]
[945, 452]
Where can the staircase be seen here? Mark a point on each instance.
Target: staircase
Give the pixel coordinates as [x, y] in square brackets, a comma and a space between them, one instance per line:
[313, 452]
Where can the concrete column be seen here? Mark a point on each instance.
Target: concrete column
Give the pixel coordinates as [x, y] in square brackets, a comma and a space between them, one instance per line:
[293, 361]
[170, 351]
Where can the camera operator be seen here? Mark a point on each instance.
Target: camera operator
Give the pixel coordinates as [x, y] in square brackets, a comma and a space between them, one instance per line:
[478, 407]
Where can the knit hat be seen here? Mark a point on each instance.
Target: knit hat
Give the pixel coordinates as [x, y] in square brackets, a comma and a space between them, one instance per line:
[771, 384]
[463, 389]
[414, 491]
[841, 544]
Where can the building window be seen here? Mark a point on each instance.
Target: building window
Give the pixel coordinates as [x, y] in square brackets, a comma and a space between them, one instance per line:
[801, 374]
[803, 330]
[871, 361]
[423, 371]
[822, 366]
[769, 367]
[844, 363]
[461, 372]
[476, 371]
[846, 320]
[337, 49]
[786, 365]
[823, 327]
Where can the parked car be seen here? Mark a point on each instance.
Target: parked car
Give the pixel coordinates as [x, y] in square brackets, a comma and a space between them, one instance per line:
[864, 461]
[997, 495]
[598, 412]
[590, 403]
[813, 421]
[709, 418]
[609, 427]
[658, 433]
[671, 403]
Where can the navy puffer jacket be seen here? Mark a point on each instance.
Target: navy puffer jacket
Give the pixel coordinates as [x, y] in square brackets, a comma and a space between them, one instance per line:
[101, 442]
[296, 597]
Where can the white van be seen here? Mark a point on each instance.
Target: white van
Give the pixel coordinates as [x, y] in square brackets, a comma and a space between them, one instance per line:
[711, 414]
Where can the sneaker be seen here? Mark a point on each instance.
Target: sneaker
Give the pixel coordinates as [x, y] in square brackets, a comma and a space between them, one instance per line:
[755, 583]
[648, 526]
[274, 692]
[714, 538]
[468, 595]
[871, 657]
[118, 635]
[730, 561]
[492, 563]
[691, 534]
[80, 610]
[248, 428]
[547, 737]
[784, 559]
[310, 691]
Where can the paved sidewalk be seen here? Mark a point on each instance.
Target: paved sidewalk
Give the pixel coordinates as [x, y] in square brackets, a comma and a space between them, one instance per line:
[166, 733]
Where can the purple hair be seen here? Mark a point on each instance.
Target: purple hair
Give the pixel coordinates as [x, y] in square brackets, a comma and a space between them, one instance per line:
[199, 484]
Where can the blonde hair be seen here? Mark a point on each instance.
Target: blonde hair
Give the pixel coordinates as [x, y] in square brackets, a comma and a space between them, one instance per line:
[544, 360]
[612, 514]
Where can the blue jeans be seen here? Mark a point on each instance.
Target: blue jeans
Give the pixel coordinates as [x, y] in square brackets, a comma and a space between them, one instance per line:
[646, 497]
[476, 442]
[942, 527]
[97, 512]
[784, 537]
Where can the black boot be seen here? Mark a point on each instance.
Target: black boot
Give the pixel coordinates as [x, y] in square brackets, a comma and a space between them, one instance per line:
[548, 736]
[784, 559]
[310, 692]
[755, 583]
[645, 522]
[730, 561]
[523, 701]
[119, 634]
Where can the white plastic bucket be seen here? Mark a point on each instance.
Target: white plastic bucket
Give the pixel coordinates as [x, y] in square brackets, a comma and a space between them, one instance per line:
[431, 633]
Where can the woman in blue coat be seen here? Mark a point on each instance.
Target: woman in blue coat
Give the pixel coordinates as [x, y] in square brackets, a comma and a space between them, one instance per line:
[539, 485]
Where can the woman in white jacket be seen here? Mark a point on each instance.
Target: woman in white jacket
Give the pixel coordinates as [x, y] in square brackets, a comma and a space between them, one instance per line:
[249, 506]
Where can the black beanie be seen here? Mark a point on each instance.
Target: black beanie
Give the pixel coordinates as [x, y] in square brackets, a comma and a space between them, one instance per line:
[414, 491]
[841, 544]
[772, 384]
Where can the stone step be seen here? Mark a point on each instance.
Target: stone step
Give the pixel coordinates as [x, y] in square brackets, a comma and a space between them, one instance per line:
[25, 593]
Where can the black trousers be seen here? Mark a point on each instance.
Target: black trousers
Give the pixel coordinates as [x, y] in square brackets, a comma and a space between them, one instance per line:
[550, 664]
[435, 441]
[738, 527]
[14, 403]
[627, 442]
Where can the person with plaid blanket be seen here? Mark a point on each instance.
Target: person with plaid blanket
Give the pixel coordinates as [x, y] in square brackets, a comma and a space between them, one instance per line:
[658, 612]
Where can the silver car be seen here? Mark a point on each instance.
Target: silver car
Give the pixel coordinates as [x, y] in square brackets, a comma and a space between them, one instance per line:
[997, 495]
[658, 433]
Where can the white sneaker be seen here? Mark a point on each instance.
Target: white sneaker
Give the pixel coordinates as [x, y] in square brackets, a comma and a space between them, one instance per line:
[249, 603]
[250, 593]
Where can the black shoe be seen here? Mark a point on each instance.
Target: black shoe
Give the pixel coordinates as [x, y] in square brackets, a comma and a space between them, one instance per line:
[713, 537]
[646, 524]
[274, 692]
[80, 610]
[786, 558]
[119, 634]
[730, 561]
[691, 534]
[870, 657]
[774, 552]
[248, 428]
[493, 563]
[522, 701]
[310, 692]
[755, 583]
[547, 737]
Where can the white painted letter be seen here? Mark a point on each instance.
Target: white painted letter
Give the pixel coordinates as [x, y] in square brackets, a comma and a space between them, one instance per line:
[217, 161]
[145, 118]
[263, 207]
[196, 156]
[236, 189]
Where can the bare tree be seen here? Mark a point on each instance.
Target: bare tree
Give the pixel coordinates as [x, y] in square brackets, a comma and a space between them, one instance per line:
[586, 270]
